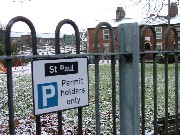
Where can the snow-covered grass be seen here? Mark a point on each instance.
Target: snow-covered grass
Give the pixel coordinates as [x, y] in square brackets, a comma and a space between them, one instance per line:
[23, 105]
[149, 97]
[23, 102]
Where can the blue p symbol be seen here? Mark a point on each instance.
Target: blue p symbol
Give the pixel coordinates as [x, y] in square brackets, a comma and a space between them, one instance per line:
[47, 95]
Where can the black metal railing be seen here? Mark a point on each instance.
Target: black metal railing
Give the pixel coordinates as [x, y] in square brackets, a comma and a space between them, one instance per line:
[126, 56]
[166, 51]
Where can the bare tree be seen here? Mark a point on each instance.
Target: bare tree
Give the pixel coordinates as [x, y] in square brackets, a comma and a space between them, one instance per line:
[151, 6]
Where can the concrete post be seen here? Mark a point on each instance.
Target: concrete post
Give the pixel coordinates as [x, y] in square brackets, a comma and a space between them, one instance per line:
[128, 41]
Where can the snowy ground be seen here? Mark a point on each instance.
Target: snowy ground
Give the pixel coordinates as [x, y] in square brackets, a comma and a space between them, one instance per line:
[27, 125]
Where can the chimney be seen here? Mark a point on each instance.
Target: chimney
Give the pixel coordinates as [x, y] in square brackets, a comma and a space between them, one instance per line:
[173, 9]
[120, 14]
[151, 15]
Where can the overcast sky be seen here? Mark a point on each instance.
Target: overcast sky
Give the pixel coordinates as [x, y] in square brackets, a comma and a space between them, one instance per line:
[46, 14]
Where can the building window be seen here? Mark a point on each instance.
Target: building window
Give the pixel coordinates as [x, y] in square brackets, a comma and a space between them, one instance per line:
[105, 34]
[178, 31]
[94, 45]
[158, 32]
[147, 46]
[48, 41]
[106, 48]
[14, 40]
[178, 45]
[159, 47]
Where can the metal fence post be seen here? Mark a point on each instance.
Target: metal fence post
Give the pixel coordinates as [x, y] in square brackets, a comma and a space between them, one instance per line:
[128, 41]
[57, 51]
[8, 49]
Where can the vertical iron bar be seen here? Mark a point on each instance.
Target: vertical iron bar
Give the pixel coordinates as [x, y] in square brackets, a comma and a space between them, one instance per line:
[57, 51]
[113, 76]
[176, 82]
[166, 93]
[60, 131]
[154, 79]
[176, 94]
[168, 30]
[166, 80]
[155, 91]
[77, 34]
[9, 79]
[97, 114]
[142, 58]
[9, 64]
[97, 95]
[34, 50]
[38, 125]
[80, 121]
[143, 93]
[143, 34]
[10, 97]
[113, 92]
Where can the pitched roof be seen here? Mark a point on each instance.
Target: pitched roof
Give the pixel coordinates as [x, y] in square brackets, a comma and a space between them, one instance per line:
[48, 35]
[18, 34]
[175, 20]
[154, 20]
[40, 35]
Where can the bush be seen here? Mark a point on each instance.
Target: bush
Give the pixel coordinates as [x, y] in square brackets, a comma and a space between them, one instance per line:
[171, 58]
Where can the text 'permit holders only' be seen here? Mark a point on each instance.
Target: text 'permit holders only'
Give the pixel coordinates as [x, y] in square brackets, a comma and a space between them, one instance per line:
[60, 84]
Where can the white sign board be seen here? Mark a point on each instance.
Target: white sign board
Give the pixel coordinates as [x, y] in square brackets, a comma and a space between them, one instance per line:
[60, 84]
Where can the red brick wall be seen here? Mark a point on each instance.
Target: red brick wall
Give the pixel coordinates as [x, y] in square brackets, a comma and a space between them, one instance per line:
[162, 41]
[91, 32]
[26, 39]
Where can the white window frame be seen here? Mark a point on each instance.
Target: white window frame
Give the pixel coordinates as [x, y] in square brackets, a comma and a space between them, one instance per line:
[41, 40]
[94, 45]
[12, 40]
[106, 48]
[178, 45]
[159, 46]
[158, 32]
[48, 41]
[106, 33]
[178, 30]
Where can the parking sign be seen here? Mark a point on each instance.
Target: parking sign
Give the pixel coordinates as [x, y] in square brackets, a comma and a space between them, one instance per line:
[59, 84]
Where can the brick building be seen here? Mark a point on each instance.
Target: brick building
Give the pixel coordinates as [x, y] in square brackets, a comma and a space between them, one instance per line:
[25, 38]
[160, 24]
